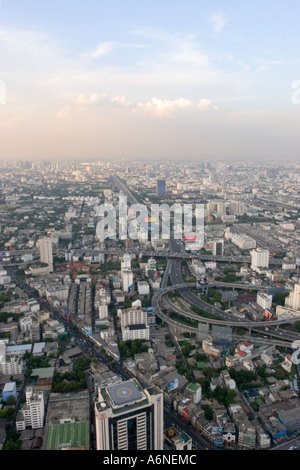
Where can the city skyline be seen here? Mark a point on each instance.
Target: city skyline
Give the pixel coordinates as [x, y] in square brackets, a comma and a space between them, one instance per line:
[156, 81]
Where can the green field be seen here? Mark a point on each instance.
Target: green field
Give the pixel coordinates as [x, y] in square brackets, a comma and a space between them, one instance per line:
[76, 434]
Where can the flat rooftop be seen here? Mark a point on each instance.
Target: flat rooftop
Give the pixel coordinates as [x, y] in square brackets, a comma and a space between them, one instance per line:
[125, 393]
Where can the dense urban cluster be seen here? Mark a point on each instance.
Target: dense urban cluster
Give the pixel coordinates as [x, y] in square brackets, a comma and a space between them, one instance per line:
[149, 342]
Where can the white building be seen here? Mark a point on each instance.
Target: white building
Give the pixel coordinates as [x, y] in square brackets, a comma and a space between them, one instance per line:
[46, 254]
[103, 310]
[60, 292]
[244, 242]
[264, 300]
[32, 414]
[133, 316]
[194, 391]
[2, 352]
[260, 259]
[126, 262]
[134, 324]
[293, 299]
[127, 279]
[143, 288]
[4, 278]
[132, 332]
[12, 365]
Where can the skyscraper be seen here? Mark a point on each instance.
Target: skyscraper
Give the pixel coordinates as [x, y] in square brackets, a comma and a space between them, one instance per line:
[293, 299]
[218, 248]
[46, 255]
[129, 418]
[160, 187]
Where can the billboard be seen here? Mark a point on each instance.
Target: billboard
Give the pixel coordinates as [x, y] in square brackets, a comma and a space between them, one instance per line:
[173, 385]
[190, 238]
[150, 310]
[216, 430]
[130, 288]
[155, 275]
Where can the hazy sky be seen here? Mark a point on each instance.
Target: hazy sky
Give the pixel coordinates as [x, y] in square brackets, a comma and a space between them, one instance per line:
[149, 78]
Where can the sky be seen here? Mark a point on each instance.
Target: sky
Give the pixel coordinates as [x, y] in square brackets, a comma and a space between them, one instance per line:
[141, 79]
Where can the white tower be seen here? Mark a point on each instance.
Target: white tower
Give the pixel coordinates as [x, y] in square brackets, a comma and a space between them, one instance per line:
[46, 254]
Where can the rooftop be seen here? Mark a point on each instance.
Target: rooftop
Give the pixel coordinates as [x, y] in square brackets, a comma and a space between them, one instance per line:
[125, 393]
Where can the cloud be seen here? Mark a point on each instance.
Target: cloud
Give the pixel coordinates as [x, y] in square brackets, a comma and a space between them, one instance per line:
[101, 50]
[164, 107]
[81, 101]
[86, 100]
[204, 104]
[121, 100]
[218, 21]
[158, 106]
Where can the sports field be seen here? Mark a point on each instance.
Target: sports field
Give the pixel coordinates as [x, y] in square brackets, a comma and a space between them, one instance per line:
[75, 435]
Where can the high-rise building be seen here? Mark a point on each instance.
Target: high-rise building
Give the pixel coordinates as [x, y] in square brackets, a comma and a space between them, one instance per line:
[160, 187]
[46, 254]
[129, 418]
[259, 259]
[126, 262]
[127, 280]
[293, 299]
[134, 324]
[218, 248]
[32, 414]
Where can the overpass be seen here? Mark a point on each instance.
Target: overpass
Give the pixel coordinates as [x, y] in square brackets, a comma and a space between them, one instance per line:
[241, 323]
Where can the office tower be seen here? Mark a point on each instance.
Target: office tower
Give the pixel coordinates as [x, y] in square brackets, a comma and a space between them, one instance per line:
[218, 248]
[293, 300]
[127, 280]
[46, 255]
[259, 259]
[129, 418]
[160, 187]
[125, 262]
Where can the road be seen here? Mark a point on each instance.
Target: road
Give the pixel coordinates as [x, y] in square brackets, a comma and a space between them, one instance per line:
[173, 270]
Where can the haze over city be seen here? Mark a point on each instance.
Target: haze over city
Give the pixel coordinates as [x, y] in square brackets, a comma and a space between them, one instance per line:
[149, 228]
[149, 80]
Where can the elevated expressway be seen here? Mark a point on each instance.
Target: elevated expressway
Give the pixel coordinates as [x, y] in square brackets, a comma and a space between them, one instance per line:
[173, 271]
